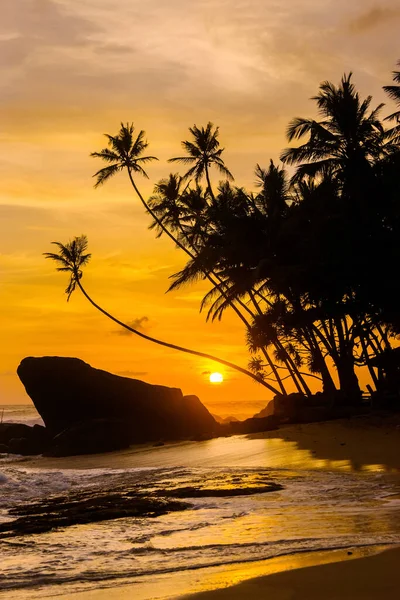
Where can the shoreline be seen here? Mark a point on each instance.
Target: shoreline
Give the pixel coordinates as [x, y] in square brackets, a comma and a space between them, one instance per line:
[361, 444]
[332, 574]
[360, 578]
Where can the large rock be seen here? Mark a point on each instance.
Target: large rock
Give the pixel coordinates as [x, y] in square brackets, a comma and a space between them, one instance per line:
[94, 436]
[68, 393]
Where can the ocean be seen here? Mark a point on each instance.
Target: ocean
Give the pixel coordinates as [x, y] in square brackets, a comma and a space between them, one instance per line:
[319, 505]
[20, 413]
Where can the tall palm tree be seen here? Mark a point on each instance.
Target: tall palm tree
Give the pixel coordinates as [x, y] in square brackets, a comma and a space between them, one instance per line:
[394, 92]
[125, 152]
[71, 258]
[203, 152]
[347, 139]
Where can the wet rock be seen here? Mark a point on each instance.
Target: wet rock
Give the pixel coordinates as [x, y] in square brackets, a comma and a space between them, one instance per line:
[203, 492]
[84, 507]
[8, 431]
[23, 439]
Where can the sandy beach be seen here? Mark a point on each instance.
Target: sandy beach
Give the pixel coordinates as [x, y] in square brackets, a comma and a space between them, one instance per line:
[369, 578]
[328, 533]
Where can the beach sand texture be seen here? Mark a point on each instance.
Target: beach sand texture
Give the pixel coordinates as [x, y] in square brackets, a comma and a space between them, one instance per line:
[372, 578]
[361, 449]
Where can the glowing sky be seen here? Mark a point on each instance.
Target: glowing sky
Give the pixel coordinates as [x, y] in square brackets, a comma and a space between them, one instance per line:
[72, 70]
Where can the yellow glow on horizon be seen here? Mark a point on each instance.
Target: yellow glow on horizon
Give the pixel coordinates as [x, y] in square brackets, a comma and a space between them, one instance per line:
[216, 378]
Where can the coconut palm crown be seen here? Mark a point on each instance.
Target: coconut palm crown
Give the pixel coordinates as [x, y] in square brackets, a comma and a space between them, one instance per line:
[394, 90]
[71, 258]
[348, 136]
[203, 152]
[124, 152]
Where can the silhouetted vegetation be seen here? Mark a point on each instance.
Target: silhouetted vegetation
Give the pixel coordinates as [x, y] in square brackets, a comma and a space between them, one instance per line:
[308, 262]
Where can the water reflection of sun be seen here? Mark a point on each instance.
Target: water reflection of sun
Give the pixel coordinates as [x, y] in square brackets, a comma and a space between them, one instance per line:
[216, 378]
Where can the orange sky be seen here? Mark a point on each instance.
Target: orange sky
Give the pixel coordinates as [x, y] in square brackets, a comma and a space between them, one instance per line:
[73, 69]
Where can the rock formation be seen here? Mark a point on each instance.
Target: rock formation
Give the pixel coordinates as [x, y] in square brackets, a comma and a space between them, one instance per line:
[89, 410]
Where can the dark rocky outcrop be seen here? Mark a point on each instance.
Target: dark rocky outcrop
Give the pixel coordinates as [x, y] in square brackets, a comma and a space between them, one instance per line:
[297, 408]
[79, 508]
[89, 410]
[18, 438]
[254, 425]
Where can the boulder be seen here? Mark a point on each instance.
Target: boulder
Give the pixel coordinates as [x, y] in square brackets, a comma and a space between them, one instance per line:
[71, 397]
[8, 431]
[254, 425]
[19, 438]
[287, 408]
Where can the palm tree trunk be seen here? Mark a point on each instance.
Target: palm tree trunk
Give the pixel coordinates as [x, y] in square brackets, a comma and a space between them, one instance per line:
[209, 183]
[208, 276]
[174, 346]
[367, 360]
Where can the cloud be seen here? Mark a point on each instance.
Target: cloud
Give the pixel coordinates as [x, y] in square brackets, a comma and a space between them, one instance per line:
[132, 373]
[141, 324]
[373, 18]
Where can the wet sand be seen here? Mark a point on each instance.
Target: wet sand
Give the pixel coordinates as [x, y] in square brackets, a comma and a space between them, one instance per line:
[358, 444]
[372, 578]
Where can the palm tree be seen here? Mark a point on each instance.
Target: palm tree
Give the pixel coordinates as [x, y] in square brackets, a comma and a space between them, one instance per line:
[347, 140]
[71, 258]
[203, 152]
[394, 92]
[125, 152]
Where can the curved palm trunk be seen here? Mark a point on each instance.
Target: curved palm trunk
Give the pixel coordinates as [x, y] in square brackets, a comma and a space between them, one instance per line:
[207, 275]
[174, 346]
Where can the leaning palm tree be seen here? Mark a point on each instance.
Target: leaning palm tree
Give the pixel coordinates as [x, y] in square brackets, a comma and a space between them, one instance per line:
[203, 152]
[124, 153]
[72, 257]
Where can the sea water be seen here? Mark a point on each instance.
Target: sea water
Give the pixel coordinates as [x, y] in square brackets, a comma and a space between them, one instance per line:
[20, 413]
[321, 506]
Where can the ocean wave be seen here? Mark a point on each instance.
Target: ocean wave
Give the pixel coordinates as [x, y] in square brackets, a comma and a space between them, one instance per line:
[36, 578]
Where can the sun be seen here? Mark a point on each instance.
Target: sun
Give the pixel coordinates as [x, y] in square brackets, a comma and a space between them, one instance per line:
[216, 378]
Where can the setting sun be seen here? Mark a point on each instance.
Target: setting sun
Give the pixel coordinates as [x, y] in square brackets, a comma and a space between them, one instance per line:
[216, 378]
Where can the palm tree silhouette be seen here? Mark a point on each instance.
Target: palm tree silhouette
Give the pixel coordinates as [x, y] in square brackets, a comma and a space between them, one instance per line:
[394, 92]
[203, 152]
[344, 143]
[125, 152]
[71, 258]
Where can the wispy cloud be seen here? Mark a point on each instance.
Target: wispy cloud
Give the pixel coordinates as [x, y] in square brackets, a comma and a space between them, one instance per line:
[132, 373]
